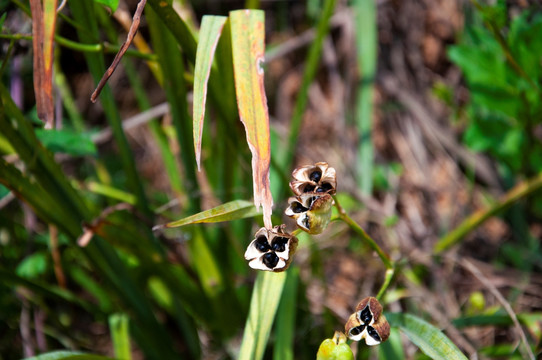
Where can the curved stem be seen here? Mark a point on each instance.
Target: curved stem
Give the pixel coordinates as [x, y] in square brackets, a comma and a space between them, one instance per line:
[354, 226]
[386, 284]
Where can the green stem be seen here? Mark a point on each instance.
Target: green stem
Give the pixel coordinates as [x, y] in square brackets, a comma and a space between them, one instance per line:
[91, 48]
[386, 284]
[519, 191]
[354, 226]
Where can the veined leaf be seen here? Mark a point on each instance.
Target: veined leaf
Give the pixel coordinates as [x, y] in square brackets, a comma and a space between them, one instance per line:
[428, 338]
[233, 210]
[68, 355]
[247, 31]
[211, 28]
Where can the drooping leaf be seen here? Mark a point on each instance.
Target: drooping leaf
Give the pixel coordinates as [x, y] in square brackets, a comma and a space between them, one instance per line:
[247, 28]
[67, 141]
[428, 338]
[233, 210]
[211, 28]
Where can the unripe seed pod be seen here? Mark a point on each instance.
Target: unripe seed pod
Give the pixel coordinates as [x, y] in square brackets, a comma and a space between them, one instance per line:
[335, 349]
[311, 212]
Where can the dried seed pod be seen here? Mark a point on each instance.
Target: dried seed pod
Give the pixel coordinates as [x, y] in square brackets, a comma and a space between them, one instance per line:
[368, 323]
[271, 250]
[311, 212]
[317, 178]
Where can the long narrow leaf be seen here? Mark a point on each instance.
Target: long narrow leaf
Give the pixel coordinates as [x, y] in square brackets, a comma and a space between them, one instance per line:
[428, 338]
[263, 307]
[247, 28]
[233, 210]
[367, 45]
[118, 323]
[211, 28]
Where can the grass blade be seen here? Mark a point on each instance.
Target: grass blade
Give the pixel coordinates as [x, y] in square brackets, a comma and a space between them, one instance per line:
[233, 210]
[211, 28]
[285, 327]
[367, 45]
[247, 29]
[428, 338]
[118, 323]
[263, 307]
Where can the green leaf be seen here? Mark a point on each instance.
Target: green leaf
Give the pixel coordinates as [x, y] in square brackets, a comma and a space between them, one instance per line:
[32, 266]
[67, 141]
[112, 4]
[211, 28]
[263, 307]
[393, 348]
[285, 325]
[68, 355]
[233, 210]
[428, 338]
[247, 31]
[118, 323]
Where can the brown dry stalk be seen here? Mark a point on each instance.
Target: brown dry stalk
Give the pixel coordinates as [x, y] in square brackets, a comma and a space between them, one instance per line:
[55, 254]
[493, 289]
[131, 34]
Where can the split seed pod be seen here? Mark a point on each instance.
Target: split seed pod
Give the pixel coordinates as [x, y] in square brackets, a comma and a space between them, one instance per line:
[317, 178]
[368, 323]
[311, 212]
[271, 250]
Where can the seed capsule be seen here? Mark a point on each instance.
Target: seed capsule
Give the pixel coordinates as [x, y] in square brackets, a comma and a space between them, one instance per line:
[368, 323]
[318, 178]
[271, 250]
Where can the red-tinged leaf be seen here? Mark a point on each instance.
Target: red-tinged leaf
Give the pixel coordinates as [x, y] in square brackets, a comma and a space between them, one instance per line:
[211, 28]
[43, 31]
[248, 35]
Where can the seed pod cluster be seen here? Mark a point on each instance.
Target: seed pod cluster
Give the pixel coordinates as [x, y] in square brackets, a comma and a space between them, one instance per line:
[271, 249]
[368, 323]
[313, 186]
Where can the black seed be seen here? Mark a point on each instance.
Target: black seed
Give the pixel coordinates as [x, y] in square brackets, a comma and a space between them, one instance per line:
[357, 330]
[270, 260]
[320, 190]
[279, 243]
[262, 244]
[308, 188]
[298, 208]
[373, 333]
[365, 315]
[325, 187]
[315, 176]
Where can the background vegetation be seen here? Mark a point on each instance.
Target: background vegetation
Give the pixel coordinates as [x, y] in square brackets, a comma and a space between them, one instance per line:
[429, 110]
